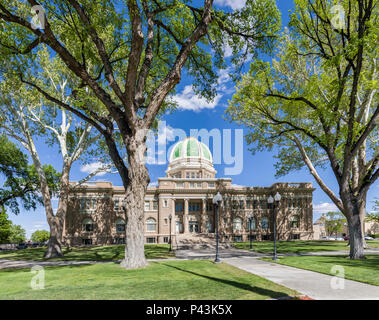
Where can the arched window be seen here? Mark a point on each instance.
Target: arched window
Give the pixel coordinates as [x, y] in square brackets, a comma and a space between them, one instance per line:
[265, 223]
[294, 222]
[251, 224]
[151, 225]
[120, 225]
[237, 224]
[87, 225]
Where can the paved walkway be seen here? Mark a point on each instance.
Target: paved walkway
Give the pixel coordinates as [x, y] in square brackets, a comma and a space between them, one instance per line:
[232, 253]
[313, 284]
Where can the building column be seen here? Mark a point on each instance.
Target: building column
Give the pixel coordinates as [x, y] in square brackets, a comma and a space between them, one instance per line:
[203, 226]
[185, 216]
[173, 224]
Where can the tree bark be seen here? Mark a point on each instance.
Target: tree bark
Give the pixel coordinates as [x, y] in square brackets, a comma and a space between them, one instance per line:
[56, 223]
[352, 212]
[134, 203]
[54, 247]
[362, 216]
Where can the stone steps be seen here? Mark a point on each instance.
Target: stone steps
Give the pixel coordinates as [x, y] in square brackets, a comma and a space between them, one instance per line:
[199, 241]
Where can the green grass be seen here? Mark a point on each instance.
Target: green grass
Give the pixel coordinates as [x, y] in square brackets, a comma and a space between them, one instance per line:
[300, 246]
[200, 279]
[366, 270]
[88, 253]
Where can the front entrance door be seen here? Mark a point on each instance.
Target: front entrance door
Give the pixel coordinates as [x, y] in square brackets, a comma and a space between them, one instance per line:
[179, 227]
[193, 227]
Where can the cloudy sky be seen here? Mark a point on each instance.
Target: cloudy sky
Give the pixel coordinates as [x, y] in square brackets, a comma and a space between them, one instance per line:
[197, 113]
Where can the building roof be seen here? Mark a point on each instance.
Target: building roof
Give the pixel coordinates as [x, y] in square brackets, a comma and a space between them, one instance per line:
[190, 148]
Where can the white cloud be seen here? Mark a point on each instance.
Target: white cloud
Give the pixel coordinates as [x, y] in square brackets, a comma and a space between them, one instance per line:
[91, 167]
[325, 207]
[153, 184]
[167, 134]
[188, 100]
[228, 51]
[234, 4]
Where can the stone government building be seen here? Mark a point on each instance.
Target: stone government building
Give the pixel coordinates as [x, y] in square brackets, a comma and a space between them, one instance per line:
[96, 215]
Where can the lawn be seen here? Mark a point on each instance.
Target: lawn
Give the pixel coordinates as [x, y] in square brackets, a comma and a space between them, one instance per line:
[300, 246]
[88, 253]
[366, 270]
[200, 279]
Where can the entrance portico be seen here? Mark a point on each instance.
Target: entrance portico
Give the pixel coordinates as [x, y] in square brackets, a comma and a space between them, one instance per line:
[192, 215]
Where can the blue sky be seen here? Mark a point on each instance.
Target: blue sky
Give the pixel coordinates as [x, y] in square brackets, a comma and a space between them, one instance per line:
[195, 113]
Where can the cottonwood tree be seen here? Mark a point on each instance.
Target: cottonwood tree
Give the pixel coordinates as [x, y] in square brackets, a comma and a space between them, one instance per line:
[317, 102]
[26, 118]
[130, 55]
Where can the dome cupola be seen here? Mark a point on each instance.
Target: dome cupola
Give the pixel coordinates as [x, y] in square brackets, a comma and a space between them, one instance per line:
[190, 153]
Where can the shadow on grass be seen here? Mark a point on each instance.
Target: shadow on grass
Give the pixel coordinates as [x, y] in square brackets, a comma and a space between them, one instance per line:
[371, 261]
[243, 286]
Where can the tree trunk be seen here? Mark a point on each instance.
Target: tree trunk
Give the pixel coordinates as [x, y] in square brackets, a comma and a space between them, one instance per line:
[56, 223]
[362, 216]
[134, 204]
[356, 243]
[54, 247]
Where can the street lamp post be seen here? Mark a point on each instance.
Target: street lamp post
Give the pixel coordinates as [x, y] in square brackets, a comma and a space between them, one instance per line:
[275, 205]
[170, 217]
[250, 219]
[217, 201]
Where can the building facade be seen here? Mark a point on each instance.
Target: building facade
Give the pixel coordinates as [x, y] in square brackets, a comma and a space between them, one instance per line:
[181, 206]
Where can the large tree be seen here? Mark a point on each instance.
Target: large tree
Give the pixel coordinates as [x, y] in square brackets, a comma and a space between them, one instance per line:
[317, 102]
[129, 56]
[27, 118]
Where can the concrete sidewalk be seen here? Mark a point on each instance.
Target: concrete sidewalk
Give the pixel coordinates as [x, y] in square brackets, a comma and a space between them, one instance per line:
[313, 284]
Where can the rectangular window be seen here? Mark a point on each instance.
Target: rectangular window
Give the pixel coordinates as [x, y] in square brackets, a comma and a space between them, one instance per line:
[178, 207]
[241, 204]
[165, 239]
[198, 175]
[81, 204]
[155, 205]
[211, 185]
[188, 175]
[165, 203]
[296, 237]
[87, 241]
[116, 204]
[120, 240]
[255, 204]
[147, 205]
[248, 204]
[253, 237]
[179, 185]
[262, 204]
[193, 175]
[237, 238]
[150, 240]
[192, 185]
[93, 204]
[265, 237]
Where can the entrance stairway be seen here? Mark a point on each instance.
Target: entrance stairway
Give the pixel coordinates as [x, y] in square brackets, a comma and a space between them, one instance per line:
[199, 241]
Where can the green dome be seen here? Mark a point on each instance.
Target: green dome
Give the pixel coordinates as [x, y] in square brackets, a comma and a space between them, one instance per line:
[190, 148]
